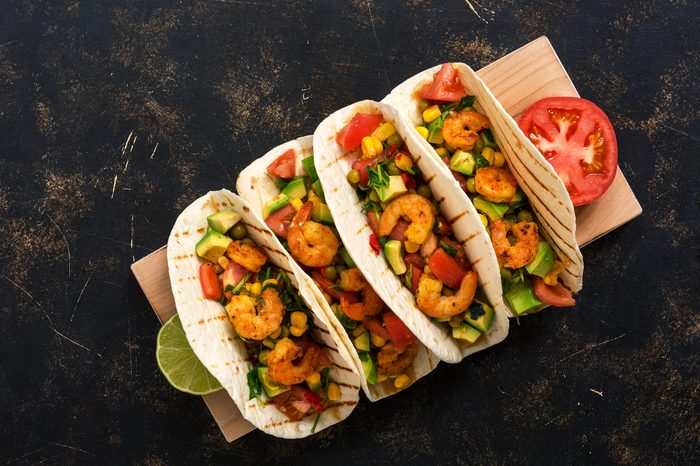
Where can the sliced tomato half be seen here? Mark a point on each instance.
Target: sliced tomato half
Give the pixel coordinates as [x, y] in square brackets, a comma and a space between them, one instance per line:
[446, 268]
[283, 166]
[211, 288]
[577, 138]
[446, 86]
[556, 296]
[400, 334]
[361, 125]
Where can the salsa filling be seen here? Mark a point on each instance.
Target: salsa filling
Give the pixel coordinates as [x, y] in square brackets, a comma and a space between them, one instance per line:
[462, 138]
[302, 221]
[287, 367]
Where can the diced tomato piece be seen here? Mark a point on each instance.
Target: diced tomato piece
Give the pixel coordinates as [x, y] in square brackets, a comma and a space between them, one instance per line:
[232, 275]
[400, 334]
[443, 228]
[460, 255]
[361, 166]
[279, 220]
[361, 125]
[445, 87]
[373, 219]
[446, 268]
[556, 296]
[284, 166]
[328, 286]
[314, 399]
[374, 244]
[408, 180]
[374, 324]
[415, 277]
[211, 288]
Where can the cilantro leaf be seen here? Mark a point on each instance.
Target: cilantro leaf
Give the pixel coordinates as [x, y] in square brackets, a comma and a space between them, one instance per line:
[254, 384]
[476, 311]
[448, 249]
[378, 177]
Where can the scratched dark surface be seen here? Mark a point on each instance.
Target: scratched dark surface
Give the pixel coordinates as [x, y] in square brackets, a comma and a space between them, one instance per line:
[205, 87]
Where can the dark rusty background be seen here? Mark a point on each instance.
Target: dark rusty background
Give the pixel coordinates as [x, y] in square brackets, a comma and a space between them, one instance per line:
[205, 87]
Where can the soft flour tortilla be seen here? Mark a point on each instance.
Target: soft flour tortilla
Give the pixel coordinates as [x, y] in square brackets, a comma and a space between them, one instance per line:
[333, 163]
[537, 178]
[211, 335]
[256, 187]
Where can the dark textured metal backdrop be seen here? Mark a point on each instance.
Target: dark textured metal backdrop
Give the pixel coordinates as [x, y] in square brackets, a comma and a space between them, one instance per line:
[202, 88]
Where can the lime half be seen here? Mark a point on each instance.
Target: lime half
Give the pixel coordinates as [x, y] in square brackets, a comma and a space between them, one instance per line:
[179, 364]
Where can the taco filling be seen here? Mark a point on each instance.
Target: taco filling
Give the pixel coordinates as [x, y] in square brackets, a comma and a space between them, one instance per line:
[287, 366]
[409, 230]
[303, 223]
[462, 138]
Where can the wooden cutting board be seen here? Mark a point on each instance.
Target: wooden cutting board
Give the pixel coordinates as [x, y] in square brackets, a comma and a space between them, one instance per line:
[517, 80]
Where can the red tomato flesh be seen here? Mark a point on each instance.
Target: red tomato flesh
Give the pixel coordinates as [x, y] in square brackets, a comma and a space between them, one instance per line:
[283, 166]
[211, 288]
[361, 125]
[279, 220]
[400, 334]
[361, 166]
[577, 138]
[374, 324]
[446, 268]
[556, 296]
[373, 219]
[446, 86]
[327, 286]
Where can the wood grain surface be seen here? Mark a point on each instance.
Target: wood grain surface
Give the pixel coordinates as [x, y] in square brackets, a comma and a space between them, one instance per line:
[520, 78]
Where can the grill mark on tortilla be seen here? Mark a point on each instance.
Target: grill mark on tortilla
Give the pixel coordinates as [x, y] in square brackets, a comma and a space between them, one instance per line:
[200, 230]
[256, 228]
[246, 209]
[454, 219]
[429, 180]
[476, 262]
[276, 251]
[348, 385]
[335, 404]
[440, 201]
[362, 228]
[471, 237]
[185, 233]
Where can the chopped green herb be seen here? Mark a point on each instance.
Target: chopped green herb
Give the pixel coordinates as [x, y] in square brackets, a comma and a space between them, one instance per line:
[481, 161]
[239, 286]
[254, 384]
[378, 176]
[448, 249]
[282, 183]
[476, 311]
[313, 428]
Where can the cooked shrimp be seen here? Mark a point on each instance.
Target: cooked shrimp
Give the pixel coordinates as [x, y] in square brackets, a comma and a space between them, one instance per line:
[370, 304]
[431, 301]
[247, 255]
[523, 251]
[352, 280]
[289, 363]
[461, 130]
[392, 362]
[495, 184]
[311, 243]
[255, 319]
[413, 208]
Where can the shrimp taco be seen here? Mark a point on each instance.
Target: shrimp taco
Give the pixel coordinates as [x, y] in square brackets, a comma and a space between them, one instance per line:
[399, 215]
[514, 190]
[284, 189]
[254, 323]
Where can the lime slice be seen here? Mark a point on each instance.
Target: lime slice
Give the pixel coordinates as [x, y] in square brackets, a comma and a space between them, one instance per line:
[179, 364]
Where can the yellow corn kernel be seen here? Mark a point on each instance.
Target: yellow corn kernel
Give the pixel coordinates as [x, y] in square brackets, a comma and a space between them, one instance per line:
[262, 356]
[404, 162]
[441, 151]
[314, 378]
[487, 153]
[256, 288]
[223, 262]
[269, 343]
[333, 391]
[423, 131]
[431, 113]
[381, 378]
[498, 159]
[411, 247]
[359, 330]
[276, 334]
[402, 381]
[484, 220]
[298, 319]
[248, 286]
[297, 332]
[426, 268]
[384, 131]
[376, 340]
[371, 147]
[270, 281]
[297, 203]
